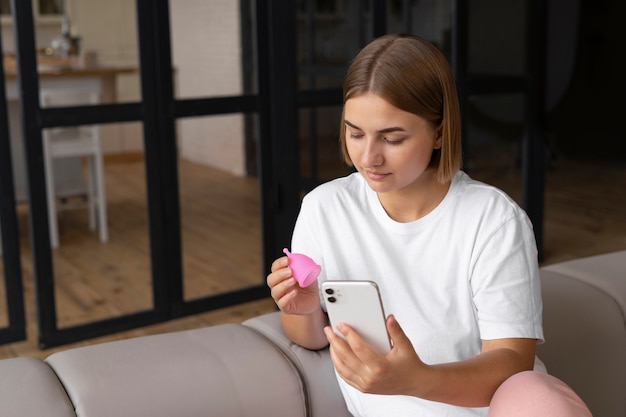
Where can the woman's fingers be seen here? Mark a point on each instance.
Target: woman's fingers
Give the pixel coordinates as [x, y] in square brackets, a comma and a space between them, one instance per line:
[279, 263]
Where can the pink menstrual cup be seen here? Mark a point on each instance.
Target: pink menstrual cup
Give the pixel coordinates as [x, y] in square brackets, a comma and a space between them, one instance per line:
[304, 269]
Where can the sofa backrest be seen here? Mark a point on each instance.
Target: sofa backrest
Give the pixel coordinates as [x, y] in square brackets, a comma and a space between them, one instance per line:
[254, 370]
[225, 370]
[29, 388]
[315, 367]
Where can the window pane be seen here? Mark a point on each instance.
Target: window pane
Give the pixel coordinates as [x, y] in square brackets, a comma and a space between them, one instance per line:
[320, 152]
[220, 216]
[84, 55]
[96, 280]
[206, 48]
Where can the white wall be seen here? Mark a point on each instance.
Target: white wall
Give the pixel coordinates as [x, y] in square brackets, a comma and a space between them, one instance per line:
[107, 27]
[43, 35]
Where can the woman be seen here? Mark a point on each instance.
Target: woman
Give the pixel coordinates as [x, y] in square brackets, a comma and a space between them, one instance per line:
[455, 259]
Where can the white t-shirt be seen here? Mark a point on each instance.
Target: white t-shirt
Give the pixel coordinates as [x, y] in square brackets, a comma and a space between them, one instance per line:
[465, 272]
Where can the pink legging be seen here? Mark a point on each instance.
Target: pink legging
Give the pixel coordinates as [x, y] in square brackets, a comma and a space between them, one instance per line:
[535, 394]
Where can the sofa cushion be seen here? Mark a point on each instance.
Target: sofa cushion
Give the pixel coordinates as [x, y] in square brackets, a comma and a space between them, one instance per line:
[29, 388]
[585, 331]
[226, 370]
[317, 370]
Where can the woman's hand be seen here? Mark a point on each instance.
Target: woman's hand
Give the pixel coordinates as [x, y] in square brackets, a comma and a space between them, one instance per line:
[398, 372]
[288, 295]
[302, 317]
[467, 383]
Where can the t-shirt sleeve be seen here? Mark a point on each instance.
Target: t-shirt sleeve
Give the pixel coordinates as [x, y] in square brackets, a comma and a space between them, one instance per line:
[505, 282]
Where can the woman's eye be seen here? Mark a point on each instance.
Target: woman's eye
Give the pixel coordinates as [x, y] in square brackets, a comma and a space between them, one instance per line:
[356, 135]
[393, 141]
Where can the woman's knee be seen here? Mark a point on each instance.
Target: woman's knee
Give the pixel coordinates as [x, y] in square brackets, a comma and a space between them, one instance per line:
[536, 394]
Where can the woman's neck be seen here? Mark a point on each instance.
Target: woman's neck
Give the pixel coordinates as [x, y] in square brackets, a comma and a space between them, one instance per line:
[416, 201]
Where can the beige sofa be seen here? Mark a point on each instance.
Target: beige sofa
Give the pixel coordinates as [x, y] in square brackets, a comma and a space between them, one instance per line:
[251, 369]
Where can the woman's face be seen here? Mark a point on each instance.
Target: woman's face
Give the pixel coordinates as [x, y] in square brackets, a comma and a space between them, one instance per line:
[390, 147]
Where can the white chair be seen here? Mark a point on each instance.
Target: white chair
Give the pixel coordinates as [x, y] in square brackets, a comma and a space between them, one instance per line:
[75, 142]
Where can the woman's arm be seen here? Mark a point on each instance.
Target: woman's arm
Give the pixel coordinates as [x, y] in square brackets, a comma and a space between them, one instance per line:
[467, 383]
[472, 382]
[306, 330]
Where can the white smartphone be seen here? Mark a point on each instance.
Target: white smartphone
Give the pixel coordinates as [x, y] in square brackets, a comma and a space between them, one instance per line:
[358, 304]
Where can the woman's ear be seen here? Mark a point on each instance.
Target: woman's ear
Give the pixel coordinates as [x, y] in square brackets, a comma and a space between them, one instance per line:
[438, 138]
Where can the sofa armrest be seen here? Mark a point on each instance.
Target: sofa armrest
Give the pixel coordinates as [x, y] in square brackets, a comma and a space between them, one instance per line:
[585, 331]
[29, 388]
[315, 366]
[226, 370]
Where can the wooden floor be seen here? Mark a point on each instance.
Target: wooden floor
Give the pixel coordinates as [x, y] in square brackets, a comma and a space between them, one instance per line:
[221, 251]
[585, 215]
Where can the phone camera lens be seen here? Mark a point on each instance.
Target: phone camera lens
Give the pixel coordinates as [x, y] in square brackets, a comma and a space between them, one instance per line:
[330, 291]
[331, 299]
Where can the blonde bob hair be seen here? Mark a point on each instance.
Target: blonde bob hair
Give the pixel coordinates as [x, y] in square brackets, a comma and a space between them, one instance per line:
[413, 75]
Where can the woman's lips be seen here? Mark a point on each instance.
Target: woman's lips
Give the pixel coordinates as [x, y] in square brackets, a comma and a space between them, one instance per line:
[376, 176]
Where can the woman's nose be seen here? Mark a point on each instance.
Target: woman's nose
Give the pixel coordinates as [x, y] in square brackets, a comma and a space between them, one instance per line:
[371, 155]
